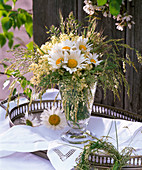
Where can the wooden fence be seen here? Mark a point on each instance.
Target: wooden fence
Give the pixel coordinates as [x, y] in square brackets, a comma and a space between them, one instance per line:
[46, 13]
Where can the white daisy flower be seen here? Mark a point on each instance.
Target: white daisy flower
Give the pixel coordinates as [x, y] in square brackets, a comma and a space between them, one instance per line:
[82, 45]
[54, 118]
[67, 45]
[93, 58]
[56, 48]
[30, 120]
[56, 59]
[74, 60]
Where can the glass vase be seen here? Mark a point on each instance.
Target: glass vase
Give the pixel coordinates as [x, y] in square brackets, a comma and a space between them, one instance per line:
[77, 104]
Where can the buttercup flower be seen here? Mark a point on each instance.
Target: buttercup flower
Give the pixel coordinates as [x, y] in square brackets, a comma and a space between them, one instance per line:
[30, 120]
[74, 61]
[54, 118]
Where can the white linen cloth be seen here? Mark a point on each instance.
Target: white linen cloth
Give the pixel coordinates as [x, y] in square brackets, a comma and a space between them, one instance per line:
[17, 141]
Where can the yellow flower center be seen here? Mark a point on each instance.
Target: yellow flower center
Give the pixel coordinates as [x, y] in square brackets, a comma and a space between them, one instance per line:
[93, 61]
[59, 61]
[82, 47]
[66, 48]
[72, 63]
[54, 119]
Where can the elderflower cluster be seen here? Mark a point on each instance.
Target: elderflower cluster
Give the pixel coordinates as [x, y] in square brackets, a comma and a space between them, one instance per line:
[122, 19]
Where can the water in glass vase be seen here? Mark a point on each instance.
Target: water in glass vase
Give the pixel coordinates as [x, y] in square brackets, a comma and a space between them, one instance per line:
[77, 105]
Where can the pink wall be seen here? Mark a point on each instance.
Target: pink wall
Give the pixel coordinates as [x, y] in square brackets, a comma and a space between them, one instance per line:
[25, 4]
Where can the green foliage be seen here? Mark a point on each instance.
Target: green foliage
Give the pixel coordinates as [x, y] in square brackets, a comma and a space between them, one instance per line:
[2, 40]
[29, 123]
[19, 67]
[114, 5]
[102, 146]
[30, 46]
[101, 2]
[6, 23]
[13, 19]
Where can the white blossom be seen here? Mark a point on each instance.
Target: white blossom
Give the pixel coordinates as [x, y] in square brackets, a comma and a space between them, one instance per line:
[127, 17]
[119, 26]
[129, 26]
[89, 9]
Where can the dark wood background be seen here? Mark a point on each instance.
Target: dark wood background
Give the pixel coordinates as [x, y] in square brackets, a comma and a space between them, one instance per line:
[46, 13]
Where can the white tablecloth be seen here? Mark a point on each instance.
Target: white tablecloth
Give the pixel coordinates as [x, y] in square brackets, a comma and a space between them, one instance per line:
[18, 160]
[128, 132]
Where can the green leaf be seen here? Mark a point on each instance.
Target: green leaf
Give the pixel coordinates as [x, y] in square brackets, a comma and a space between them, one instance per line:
[101, 2]
[2, 40]
[119, 1]
[14, 1]
[10, 43]
[13, 14]
[28, 92]
[22, 18]
[6, 23]
[30, 46]
[16, 73]
[29, 18]
[28, 123]
[9, 72]
[114, 7]
[16, 46]
[14, 91]
[9, 35]
[6, 1]
[18, 22]
[24, 83]
[29, 29]
[1, 11]
[8, 7]
[4, 65]
[29, 24]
